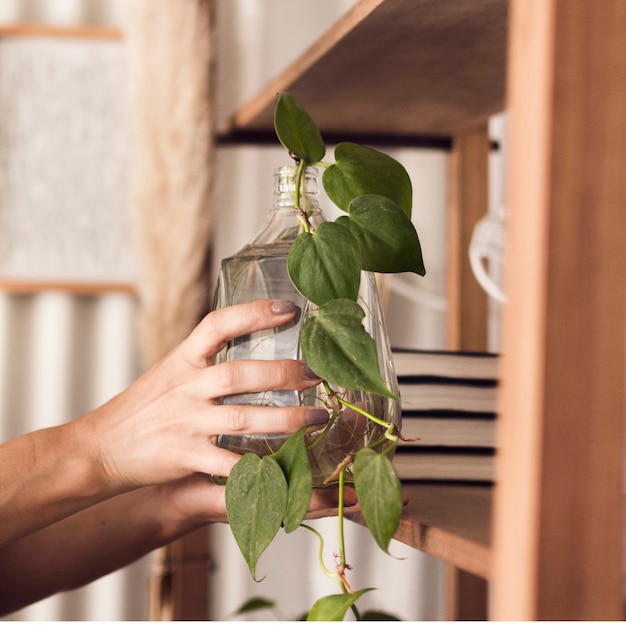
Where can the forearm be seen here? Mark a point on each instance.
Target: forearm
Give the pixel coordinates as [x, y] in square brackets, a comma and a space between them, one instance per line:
[44, 477]
[85, 546]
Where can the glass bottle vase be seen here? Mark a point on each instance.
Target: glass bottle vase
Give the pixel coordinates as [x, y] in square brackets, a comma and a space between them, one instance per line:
[259, 270]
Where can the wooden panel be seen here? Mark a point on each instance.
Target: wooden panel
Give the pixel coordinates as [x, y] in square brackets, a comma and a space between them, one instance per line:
[80, 289]
[466, 596]
[466, 321]
[395, 68]
[558, 524]
[450, 522]
[179, 588]
[42, 30]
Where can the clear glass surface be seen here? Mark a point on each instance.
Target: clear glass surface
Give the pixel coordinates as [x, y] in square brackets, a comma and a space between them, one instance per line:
[259, 270]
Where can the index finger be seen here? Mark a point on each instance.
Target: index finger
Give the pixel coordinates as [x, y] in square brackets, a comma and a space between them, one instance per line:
[222, 325]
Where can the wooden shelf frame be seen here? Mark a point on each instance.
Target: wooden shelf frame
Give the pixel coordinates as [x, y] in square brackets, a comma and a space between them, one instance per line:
[450, 522]
[71, 32]
[30, 287]
[434, 70]
[405, 71]
[558, 515]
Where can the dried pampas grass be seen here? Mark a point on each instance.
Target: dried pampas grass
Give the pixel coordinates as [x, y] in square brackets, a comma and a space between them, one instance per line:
[171, 49]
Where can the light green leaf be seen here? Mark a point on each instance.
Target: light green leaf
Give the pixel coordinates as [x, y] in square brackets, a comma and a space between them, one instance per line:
[294, 462]
[256, 498]
[333, 608]
[380, 494]
[325, 265]
[386, 236]
[297, 131]
[360, 171]
[337, 347]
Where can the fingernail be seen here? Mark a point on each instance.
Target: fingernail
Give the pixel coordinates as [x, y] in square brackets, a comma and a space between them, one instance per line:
[308, 373]
[317, 416]
[283, 307]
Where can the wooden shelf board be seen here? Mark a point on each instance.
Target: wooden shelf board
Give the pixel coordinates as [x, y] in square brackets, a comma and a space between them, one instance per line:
[394, 69]
[74, 32]
[449, 521]
[30, 287]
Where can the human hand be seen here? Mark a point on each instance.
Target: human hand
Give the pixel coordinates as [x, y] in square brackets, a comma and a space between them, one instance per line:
[165, 426]
[194, 501]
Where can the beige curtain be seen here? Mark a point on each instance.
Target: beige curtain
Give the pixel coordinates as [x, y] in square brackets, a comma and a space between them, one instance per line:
[171, 50]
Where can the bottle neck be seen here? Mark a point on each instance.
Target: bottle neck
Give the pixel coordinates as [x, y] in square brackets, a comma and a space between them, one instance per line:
[285, 188]
[282, 225]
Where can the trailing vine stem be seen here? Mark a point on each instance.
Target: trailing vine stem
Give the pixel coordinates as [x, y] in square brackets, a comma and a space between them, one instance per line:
[300, 212]
[320, 552]
[342, 544]
[390, 432]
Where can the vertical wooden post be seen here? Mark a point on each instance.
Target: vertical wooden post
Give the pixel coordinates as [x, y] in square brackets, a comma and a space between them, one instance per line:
[558, 514]
[467, 311]
[468, 201]
[180, 585]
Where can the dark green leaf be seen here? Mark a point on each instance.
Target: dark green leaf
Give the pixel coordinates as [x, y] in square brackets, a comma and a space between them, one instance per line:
[297, 131]
[254, 604]
[256, 498]
[325, 265]
[360, 171]
[386, 236]
[380, 495]
[337, 347]
[294, 462]
[333, 608]
[378, 616]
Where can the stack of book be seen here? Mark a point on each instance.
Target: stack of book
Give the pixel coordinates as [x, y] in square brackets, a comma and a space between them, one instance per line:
[448, 415]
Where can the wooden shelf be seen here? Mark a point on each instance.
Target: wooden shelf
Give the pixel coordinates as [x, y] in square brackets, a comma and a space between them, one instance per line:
[30, 287]
[411, 71]
[449, 521]
[398, 71]
[73, 32]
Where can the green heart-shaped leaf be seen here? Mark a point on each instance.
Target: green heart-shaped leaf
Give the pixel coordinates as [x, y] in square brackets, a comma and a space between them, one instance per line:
[325, 265]
[253, 604]
[386, 236]
[256, 498]
[297, 131]
[375, 615]
[337, 347]
[294, 462]
[360, 171]
[333, 608]
[380, 494]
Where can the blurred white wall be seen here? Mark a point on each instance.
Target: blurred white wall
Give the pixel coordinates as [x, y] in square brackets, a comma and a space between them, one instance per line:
[63, 12]
[62, 354]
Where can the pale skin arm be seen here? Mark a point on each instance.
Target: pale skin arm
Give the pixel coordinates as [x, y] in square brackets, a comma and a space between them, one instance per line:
[83, 499]
[114, 533]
